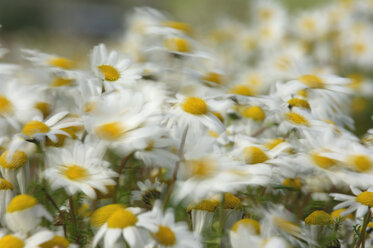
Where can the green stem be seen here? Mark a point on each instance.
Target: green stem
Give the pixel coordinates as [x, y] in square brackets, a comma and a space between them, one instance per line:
[177, 164]
[363, 229]
[73, 217]
[121, 167]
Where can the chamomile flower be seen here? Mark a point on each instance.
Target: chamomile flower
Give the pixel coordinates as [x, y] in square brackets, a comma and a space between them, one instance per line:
[125, 226]
[24, 213]
[149, 191]
[79, 167]
[18, 240]
[360, 202]
[6, 195]
[49, 61]
[167, 232]
[111, 69]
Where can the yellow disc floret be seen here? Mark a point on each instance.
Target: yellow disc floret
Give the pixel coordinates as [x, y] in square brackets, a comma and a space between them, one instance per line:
[177, 44]
[246, 223]
[165, 236]
[34, 127]
[122, 218]
[21, 202]
[213, 77]
[6, 106]
[101, 215]
[365, 198]
[19, 159]
[75, 172]
[10, 241]
[242, 89]
[57, 241]
[322, 161]
[111, 131]
[312, 81]
[110, 72]
[297, 119]
[360, 162]
[194, 106]
[204, 205]
[254, 112]
[292, 183]
[230, 201]
[44, 107]
[63, 63]
[273, 143]
[59, 82]
[319, 218]
[254, 155]
[5, 184]
[201, 168]
[300, 103]
[185, 27]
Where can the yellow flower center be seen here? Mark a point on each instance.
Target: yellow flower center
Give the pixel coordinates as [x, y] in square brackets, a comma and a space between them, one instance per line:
[10, 241]
[75, 172]
[247, 224]
[19, 159]
[230, 201]
[337, 214]
[308, 24]
[213, 77]
[57, 241]
[179, 26]
[297, 119]
[89, 107]
[254, 112]
[21, 202]
[101, 215]
[254, 155]
[322, 162]
[360, 162]
[242, 89]
[165, 236]
[6, 106]
[302, 93]
[201, 168]
[319, 218]
[365, 198]
[194, 106]
[110, 72]
[300, 103]
[63, 63]
[286, 225]
[312, 81]
[273, 143]
[44, 107]
[205, 205]
[122, 218]
[176, 44]
[111, 131]
[5, 184]
[34, 127]
[359, 47]
[59, 82]
[265, 14]
[356, 80]
[292, 183]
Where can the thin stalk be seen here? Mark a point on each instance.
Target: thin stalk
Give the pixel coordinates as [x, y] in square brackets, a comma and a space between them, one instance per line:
[177, 164]
[121, 167]
[361, 242]
[73, 217]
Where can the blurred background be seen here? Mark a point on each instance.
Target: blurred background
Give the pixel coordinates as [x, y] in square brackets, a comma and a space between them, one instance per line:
[76, 24]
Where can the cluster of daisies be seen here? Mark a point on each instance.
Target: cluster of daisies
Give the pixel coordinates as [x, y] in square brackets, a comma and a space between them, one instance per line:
[240, 136]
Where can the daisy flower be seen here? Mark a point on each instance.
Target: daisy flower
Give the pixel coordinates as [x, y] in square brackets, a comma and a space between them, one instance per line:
[169, 233]
[24, 214]
[194, 113]
[111, 69]
[49, 61]
[6, 195]
[79, 167]
[361, 202]
[125, 226]
[19, 240]
[149, 191]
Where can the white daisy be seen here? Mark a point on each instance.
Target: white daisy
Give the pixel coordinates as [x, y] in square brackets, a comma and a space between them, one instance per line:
[79, 167]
